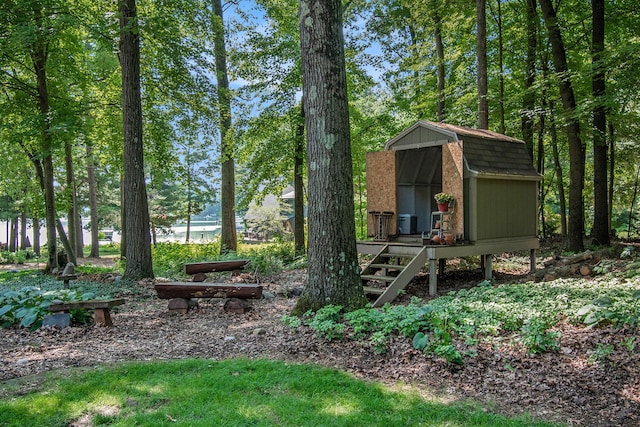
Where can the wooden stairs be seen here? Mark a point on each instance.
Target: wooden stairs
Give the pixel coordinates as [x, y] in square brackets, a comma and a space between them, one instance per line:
[391, 270]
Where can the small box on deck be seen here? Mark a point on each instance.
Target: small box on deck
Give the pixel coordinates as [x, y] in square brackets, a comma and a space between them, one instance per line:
[407, 224]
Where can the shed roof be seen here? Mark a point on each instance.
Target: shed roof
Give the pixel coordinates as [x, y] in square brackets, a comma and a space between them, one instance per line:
[485, 152]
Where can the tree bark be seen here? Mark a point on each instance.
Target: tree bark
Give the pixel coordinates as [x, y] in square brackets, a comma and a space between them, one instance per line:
[562, 201]
[136, 209]
[575, 241]
[333, 269]
[93, 203]
[481, 39]
[440, 71]
[298, 188]
[72, 213]
[528, 99]
[600, 232]
[36, 236]
[229, 239]
[39, 59]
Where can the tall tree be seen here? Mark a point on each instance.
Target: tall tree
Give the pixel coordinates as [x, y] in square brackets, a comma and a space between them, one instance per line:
[229, 239]
[333, 269]
[481, 53]
[528, 98]
[136, 211]
[600, 230]
[575, 227]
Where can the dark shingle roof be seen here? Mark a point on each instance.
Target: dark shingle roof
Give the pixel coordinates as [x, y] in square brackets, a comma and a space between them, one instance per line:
[485, 152]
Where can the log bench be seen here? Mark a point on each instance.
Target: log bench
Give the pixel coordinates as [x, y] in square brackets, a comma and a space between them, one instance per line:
[199, 268]
[101, 315]
[179, 294]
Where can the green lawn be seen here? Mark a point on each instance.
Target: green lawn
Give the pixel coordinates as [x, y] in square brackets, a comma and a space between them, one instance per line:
[232, 393]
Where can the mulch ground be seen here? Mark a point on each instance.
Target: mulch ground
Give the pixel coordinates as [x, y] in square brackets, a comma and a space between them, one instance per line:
[563, 386]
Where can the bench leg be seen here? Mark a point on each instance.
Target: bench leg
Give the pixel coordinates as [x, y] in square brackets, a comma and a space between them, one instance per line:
[102, 317]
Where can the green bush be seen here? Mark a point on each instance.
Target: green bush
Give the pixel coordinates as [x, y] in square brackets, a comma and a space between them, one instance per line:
[26, 307]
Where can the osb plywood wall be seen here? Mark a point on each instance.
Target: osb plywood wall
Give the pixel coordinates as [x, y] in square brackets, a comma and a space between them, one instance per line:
[452, 181]
[381, 188]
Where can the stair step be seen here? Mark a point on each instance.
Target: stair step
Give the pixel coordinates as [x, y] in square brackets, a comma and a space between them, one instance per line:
[396, 255]
[388, 266]
[378, 278]
[375, 291]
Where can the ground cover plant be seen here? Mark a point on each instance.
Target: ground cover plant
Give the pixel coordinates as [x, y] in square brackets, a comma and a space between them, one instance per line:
[450, 326]
[237, 392]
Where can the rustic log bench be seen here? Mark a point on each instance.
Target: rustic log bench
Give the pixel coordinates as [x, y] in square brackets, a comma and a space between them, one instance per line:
[199, 268]
[179, 294]
[101, 315]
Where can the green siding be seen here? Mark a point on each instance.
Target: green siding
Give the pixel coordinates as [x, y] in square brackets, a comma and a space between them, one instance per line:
[506, 208]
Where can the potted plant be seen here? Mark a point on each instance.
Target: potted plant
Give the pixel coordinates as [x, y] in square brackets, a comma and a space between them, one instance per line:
[443, 200]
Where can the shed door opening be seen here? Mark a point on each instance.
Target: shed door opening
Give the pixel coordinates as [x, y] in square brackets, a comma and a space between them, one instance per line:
[419, 179]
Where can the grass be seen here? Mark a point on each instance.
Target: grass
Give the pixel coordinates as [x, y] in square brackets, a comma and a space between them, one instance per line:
[234, 393]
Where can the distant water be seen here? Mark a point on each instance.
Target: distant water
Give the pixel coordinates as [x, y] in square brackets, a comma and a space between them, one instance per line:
[201, 231]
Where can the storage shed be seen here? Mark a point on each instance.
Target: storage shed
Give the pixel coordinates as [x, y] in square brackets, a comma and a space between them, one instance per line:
[490, 175]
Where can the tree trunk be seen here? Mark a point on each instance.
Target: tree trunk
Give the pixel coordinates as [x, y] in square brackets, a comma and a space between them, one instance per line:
[600, 231]
[501, 68]
[66, 244]
[23, 231]
[36, 236]
[136, 209]
[576, 148]
[440, 71]
[481, 39]
[72, 213]
[529, 99]
[39, 59]
[612, 164]
[298, 188]
[93, 204]
[229, 239]
[13, 237]
[562, 202]
[333, 269]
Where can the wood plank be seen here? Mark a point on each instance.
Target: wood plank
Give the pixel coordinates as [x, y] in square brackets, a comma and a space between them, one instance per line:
[88, 304]
[211, 266]
[378, 278]
[207, 290]
[372, 290]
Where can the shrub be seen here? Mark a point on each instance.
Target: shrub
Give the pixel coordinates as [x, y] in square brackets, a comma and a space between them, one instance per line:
[26, 307]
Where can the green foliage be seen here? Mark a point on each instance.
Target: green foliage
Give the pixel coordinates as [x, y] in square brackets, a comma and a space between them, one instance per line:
[19, 257]
[450, 326]
[537, 338]
[326, 322]
[600, 354]
[169, 258]
[293, 322]
[27, 306]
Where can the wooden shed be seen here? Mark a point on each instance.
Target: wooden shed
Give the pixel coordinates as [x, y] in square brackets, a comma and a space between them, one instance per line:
[490, 175]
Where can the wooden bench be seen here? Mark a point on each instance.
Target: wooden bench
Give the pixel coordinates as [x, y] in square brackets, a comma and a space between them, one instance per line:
[199, 268]
[101, 315]
[179, 293]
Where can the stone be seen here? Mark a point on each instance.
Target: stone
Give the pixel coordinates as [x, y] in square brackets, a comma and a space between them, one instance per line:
[236, 305]
[69, 269]
[61, 320]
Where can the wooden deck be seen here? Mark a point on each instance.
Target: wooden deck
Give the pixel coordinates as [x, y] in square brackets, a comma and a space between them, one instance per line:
[435, 253]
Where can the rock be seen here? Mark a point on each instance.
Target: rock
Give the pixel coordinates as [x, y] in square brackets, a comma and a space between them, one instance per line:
[61, 320]
[259, 331]
[69, 269]
[268, 295]
[229, 338]
[296, 292]
[236, 305]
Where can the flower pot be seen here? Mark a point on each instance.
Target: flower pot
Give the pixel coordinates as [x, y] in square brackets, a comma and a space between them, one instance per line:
[443, 207]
